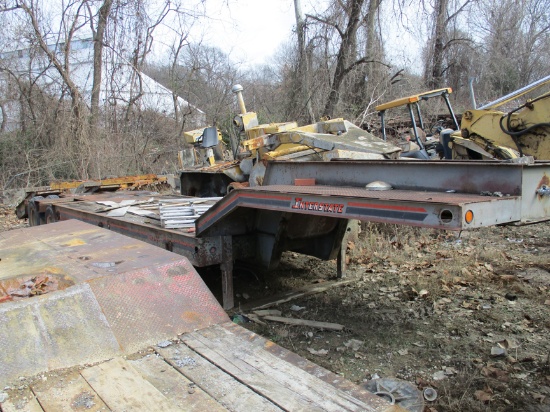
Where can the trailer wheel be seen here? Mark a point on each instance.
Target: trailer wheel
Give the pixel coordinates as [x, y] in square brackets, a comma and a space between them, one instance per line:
[35, 217]
[51, 215]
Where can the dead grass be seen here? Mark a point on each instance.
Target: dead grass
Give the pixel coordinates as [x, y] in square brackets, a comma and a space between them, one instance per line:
[424, 301]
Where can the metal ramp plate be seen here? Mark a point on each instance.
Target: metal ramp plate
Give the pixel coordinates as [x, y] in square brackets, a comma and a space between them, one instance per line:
[115, 295]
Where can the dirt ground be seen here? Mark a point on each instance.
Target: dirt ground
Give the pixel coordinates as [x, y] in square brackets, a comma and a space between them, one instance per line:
[467, 315]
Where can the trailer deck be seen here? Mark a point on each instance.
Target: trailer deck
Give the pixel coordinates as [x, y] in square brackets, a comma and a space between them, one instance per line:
[128, 326]
[259, 223]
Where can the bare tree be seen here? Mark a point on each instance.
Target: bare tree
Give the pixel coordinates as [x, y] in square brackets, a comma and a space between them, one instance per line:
[445, 35]
[516, 43]
[341, 23]
[302, 86]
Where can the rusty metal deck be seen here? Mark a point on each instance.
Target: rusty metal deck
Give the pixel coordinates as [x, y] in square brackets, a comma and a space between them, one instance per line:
[132, 327]
[108, 295]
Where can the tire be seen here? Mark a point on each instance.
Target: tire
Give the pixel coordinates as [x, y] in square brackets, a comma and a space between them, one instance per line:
[51, 215]
[33, 211]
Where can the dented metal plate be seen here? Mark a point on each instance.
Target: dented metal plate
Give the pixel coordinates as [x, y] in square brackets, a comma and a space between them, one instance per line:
[95, 294]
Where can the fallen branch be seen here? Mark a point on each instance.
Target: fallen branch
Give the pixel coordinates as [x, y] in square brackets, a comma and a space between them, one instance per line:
[303, 322]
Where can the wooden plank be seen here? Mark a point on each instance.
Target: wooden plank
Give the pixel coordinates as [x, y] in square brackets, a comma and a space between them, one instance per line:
[305, 322]
[122, 388]
[175, 386]
[21, 401]
[67, 393]
[293, 294]
[267, 386]
[283, 383]
[337, 381]
[268, 312]
[221, 386]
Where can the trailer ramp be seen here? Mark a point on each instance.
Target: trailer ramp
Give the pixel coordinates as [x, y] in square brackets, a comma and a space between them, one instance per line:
[126, 326]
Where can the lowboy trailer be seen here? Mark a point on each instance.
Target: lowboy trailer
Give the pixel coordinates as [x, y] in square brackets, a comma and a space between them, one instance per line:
[306, 207]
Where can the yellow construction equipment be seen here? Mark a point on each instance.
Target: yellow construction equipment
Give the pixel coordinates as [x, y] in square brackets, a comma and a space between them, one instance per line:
[420, 144]
[487, 133]
[207, 175]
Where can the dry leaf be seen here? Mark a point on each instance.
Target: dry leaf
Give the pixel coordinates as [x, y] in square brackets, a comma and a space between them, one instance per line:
[320, 352]
[508, 343]
[483, 396]
[354, 344]
[495, 373]
[539, 397]
[439, 375]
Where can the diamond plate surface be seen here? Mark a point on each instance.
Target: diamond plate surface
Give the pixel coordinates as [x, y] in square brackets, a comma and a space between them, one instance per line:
[118, 295]
[149, 305]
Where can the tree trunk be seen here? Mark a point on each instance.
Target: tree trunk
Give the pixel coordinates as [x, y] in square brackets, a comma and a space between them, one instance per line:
[435, 72]
[374, 42]
[348, 40]
[303, 72]
[104, 12]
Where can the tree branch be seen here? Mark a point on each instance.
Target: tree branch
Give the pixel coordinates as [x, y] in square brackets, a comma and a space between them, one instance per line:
[457, 12]
[363, 61]
[328, 23]
[456, 40]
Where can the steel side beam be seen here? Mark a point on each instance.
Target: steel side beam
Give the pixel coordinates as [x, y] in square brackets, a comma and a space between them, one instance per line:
[424, 209]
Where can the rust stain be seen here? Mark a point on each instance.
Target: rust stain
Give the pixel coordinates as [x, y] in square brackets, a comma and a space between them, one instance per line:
[74, 242]
[131, 247]
[192, 317]
[544, 181]
[53, 271]
[269, 344]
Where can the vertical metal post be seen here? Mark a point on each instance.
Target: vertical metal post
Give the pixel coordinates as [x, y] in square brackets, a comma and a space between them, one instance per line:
[472, 94]
[227, 272]
[383, 124]
[341, 262]
[413, 120]
[420, 119]
[448, 103]
[237, 89]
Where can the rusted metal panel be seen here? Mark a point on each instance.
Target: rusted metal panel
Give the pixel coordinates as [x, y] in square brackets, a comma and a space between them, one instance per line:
[471, 177]
[115, 295]
[534, 204]
[426, 209]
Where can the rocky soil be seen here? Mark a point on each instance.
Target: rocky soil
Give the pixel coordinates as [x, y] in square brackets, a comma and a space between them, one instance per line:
[466, 315]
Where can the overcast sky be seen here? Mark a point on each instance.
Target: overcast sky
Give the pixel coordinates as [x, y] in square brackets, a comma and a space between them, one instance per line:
[251, 31]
